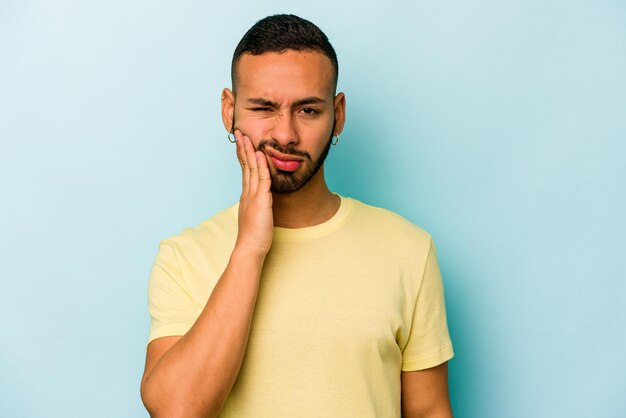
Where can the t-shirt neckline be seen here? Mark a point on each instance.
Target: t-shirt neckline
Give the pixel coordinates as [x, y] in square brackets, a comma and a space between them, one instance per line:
[316, 231]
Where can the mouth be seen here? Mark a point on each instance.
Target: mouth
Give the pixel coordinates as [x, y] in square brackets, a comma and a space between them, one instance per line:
[283, 162]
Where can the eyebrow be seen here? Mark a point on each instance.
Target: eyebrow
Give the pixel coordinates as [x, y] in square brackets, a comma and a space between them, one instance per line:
[259, 101]
[308, 100]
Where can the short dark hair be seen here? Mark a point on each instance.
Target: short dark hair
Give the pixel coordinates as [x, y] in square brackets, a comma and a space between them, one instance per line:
[279, 33]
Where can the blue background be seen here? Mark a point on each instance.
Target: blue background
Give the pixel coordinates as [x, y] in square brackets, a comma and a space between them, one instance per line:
[498, 126]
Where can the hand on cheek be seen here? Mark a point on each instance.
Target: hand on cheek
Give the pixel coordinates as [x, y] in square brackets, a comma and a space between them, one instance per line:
[256, 219]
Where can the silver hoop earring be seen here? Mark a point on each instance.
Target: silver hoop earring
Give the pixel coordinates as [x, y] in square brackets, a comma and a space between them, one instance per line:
[231, 140]
[335, 140]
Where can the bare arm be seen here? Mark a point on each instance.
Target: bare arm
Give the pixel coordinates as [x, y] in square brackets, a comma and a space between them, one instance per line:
[192, 375]
[425, 393]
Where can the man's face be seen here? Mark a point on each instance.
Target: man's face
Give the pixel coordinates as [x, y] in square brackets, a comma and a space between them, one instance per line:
[285, 104]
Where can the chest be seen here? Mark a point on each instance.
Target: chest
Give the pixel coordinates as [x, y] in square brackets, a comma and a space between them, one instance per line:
[329, 300]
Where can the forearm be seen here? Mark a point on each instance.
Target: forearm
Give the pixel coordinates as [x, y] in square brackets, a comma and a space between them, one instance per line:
[442, 412]
[194, 377]
[425, 393]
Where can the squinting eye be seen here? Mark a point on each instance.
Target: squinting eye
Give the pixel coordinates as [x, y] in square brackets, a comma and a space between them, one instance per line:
[309, 111]
[260, 109]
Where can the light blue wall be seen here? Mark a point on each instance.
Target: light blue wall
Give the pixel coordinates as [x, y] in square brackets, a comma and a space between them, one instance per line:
[498, 126]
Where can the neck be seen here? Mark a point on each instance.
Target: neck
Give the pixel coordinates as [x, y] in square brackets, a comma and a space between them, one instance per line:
[313, 204]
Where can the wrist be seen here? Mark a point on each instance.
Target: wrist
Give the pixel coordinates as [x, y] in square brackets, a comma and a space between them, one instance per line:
[248, 253]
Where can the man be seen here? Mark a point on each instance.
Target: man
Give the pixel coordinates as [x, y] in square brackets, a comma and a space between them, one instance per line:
[296, 302]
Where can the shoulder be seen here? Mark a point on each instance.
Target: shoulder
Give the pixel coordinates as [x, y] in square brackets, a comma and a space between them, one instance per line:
[385, 224]
[218, 229]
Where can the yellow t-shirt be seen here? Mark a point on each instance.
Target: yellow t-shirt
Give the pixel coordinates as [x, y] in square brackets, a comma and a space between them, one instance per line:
[343, 307]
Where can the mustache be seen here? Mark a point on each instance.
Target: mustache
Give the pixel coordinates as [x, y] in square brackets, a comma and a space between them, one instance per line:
[285, 150]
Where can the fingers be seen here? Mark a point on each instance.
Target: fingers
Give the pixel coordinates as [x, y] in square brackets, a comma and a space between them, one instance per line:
[253, 182]
[265, 182]
[243, 161]
[255, 169]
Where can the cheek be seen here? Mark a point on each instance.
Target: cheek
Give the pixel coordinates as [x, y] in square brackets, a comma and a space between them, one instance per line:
[317, 131]
[256, 129]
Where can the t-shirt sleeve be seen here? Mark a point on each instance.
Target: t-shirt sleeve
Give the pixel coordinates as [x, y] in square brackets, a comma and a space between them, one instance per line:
[428, 344]
[171, 307]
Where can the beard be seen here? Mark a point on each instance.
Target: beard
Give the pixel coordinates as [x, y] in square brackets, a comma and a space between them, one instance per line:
[289, 182]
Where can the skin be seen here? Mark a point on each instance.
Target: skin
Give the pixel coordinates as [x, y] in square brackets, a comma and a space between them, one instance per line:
[287, 99]
[285, 79]
[425, 393]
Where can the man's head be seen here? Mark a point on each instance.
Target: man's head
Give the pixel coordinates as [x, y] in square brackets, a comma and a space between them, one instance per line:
[280, 33]
[284, 79]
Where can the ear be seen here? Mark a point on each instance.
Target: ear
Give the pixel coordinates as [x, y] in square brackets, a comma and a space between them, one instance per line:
[340, 113]
[228, 108]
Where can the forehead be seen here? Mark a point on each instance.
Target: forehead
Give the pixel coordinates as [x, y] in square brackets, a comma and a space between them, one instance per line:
[286, 74]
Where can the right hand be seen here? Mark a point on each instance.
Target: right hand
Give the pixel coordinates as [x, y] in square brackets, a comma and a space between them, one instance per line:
[256, 219]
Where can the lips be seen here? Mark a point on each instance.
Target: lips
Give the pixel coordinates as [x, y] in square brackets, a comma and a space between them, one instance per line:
[282, 165]
[283, 162]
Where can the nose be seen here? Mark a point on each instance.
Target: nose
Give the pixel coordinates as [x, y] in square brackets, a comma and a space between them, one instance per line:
[284, 131]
